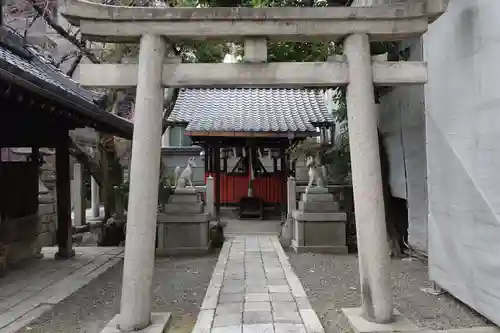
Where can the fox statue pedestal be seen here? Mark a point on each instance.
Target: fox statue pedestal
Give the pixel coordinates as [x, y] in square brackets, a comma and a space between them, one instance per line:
[184, 227]
[318, 226]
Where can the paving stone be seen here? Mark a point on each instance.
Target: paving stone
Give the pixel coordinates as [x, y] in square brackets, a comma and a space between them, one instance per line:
[228, 319]
[257, 297]
[231, 298]
[234, 289]
[284, 306]
[259, 292]
[282, 297]
[277, 282]
[229, 308]
[228, 329]
[303, 303]
[23, 292]
[257, 317]
[233, 283]
[289, 328]
[257, 306]
[257, 289]
[279, 289]
[284, 316]
[256, 281]
[275, 274]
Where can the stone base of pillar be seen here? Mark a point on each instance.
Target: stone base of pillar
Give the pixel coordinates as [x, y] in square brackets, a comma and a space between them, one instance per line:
[318, 226]
[63, 255]
[360, 325]
[184, 228]
[159, 324]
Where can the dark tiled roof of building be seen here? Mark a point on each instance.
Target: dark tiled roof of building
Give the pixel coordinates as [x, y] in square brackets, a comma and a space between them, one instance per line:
[27, 65]
[250, 110]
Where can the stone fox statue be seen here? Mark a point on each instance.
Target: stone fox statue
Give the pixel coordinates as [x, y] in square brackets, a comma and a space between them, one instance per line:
[315, 175]
[186, 177]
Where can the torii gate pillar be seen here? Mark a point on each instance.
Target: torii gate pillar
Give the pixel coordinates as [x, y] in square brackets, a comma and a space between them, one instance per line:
[135, 312]
[373, 249]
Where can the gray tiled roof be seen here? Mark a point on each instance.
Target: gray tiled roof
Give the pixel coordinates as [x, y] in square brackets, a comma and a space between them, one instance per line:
[38, 65]
[250, 110]
[28, 66]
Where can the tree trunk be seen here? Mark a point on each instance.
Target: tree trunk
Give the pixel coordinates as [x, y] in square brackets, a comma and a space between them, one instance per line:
[87, 161]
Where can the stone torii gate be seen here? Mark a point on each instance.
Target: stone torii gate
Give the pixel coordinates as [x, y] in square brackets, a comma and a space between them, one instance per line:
[151, 27]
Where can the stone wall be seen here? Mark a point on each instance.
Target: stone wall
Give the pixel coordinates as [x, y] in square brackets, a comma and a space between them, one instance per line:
[47, 203]
[47, 221]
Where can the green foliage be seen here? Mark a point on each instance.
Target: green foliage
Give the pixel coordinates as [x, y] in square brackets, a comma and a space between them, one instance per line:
[204, 52]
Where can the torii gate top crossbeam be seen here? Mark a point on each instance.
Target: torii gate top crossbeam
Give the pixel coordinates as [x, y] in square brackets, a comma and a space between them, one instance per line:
[126, 24]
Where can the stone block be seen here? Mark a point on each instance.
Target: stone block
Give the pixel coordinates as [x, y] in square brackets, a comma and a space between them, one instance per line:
[318, 207]
[46, 208]
[159, 324]
[183, 199]
[257, 317]
[46, 239]
[316, 197]
[50, 218]
[319, 217]
[317, 190]
[286, 316]
[185, 191]
[319, 237]
[183, 234]
[361, 325]
[46, 199]
[227, 320]
[184, 208]
[194, 218]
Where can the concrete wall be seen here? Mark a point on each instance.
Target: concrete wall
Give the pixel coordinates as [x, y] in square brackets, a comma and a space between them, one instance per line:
[463, 154]
[402, 124]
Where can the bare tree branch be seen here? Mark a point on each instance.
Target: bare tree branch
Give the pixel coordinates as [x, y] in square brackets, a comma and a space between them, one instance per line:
[30, 25]
[60, 30]
[67, 56]
[74, 65]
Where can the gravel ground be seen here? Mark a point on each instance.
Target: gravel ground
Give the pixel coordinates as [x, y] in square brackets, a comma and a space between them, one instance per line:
[332, 283]
[179, 287]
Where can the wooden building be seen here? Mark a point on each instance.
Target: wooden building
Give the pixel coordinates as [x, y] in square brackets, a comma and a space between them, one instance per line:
[39, 106]
[248, 123]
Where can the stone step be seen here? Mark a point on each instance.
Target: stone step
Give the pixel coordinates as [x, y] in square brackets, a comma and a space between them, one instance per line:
[184, 208]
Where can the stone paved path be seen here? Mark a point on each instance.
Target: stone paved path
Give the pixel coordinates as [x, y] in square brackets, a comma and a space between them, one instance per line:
[26, 293]
[254, 290]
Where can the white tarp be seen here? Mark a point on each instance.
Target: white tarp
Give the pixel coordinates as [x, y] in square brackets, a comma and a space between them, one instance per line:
[463, 153]
[402, 124]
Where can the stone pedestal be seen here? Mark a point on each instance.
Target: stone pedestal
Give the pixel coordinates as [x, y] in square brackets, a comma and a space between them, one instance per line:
[184, 228]
[318, 226]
